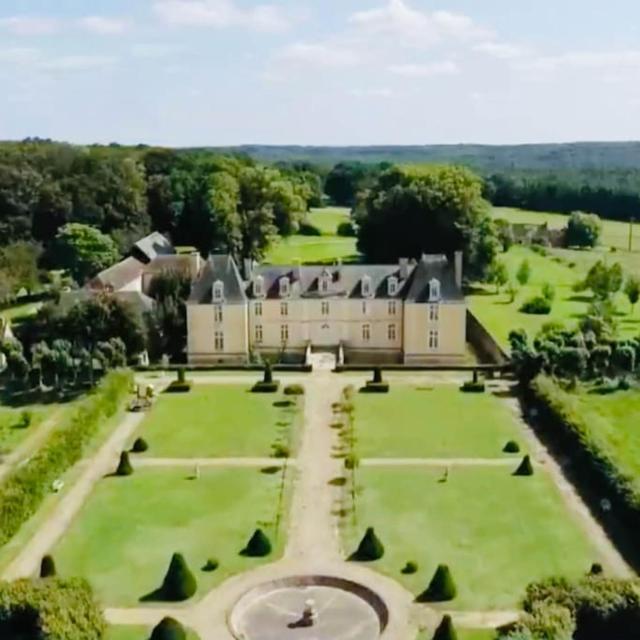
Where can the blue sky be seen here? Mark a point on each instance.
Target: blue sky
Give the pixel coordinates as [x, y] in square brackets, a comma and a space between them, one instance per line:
[218, 72]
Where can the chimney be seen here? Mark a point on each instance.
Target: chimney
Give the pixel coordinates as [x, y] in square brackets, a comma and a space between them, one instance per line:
[195, 265]
[458, 268]
[404, 268]
[248, 269]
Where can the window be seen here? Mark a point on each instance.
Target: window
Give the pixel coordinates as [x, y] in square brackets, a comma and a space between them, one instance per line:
[434, 312]
[257, 309]
[325, 308]
[366, 287]
[284, 309]
[392, 285]
[366, 332]
[285, 287]
[258, 286]
[365, 308]
[284, 333]
[258, 339]
[434, 290]
[391, 332]
[218, 341]
[325, 281]
[392, 308]
[434, 339]
[217, 313]
[218, 291]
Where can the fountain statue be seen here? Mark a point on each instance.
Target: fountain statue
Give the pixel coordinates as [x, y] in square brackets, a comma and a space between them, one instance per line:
[309, 616]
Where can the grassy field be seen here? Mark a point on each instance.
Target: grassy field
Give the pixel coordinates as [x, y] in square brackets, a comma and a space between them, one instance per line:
[11, 431]
[125, 535]
[501, 316]
[19, 312]
[139, 633]
[463, 634]
[496, 532]
[431, 423]
[321, 249]
[217, 421]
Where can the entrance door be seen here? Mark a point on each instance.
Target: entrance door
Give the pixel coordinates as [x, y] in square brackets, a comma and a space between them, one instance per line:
[323, 334]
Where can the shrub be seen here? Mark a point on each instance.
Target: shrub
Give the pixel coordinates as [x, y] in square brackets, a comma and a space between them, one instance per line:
[179, 583]
[47, 567]
[52, 609]
[370, 548]
[375, 387]
[211, 565]
[280, 451]
[548, 292]
[124, 466]
[442, 588]
[179, 387]
[265, 387]
[596, 569]
[140, 446]
[445, 630]
[308, 229]
[471, 386]
[525, 468]
[258, 546]
[538, 305]
[168, 629]
[26, 417]
[23, 490]
[182, 376]
[377, 375]
[347, 230]
[511, 447]
[268, 373]
[294, 390]
[410, 568]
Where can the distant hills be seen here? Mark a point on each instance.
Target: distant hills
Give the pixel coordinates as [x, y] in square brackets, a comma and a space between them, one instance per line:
[545, 157]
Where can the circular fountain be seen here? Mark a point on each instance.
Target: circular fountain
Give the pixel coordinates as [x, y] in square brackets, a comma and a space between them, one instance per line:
[309, 608]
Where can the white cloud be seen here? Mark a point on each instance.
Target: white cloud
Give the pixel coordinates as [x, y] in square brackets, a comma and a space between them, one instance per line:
[419, 28]
[103, 25]
[319, 55]
[77, 63]
[221, 14]
[594, 60]
[445, 68]
[382, 92]
[501, 50]
[153, 50]
[19, 55]
[29, 25]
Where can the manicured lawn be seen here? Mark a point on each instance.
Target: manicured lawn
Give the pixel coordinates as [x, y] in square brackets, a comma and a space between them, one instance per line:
[463, 634]
[410, 422]
[328, 219]
[136, 633]
[124, 537]
[500, 316]
[613, 421]
[11, 433]
[496, 532]
[19, 312]
[217, 421]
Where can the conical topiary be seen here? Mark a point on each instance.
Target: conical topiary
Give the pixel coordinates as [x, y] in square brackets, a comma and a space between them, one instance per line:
[525, 468]
[268, 373]
[441, 588]
[377, 375]
[445, 630]
[511, 447]
[168, 629]
[124, 466]
[179, 583]
[259, 546]
[47, 567]
[140, 446]
[370, 548]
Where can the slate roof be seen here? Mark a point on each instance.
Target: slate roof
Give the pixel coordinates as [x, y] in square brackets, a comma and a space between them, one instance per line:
[223, 268]
[119, 275]
[152, 246]
[346, 280]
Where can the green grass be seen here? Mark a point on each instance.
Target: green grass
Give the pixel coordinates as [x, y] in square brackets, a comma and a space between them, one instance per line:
[20, 312]
[11, 435]
[125, 535]
[500, 316]
[217, 421]
[136, 633]
[328, 219]
[463, 634]
[496, 532]
[442, 422]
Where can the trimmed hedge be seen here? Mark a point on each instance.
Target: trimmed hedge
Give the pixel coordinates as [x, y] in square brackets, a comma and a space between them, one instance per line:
[140, 446]
[259, 546]
[179, 584]
[210, 565]
[525, 468]
[265, 387]
[168, 629]
[511, 447]
[24, 490]
[445, 630]
[47, 567]
[179, 387]
[592, 463]
[370, 548]
[375, 387]
[473, 387]
[124, 466]
[442, 588]
[410, 568]
[50, 609]
[294, 390]
[537, 306]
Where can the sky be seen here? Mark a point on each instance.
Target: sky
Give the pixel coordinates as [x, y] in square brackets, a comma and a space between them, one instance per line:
[320, 72]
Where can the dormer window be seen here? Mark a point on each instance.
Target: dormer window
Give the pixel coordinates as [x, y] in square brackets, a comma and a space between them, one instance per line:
[325, 282]
[367, 289]
[285, 287]
[218, 291]
[434, 290]
[392, 285]
[258, 287]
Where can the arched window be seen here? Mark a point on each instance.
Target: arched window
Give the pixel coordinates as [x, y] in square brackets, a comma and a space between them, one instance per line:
[285, 287]
[434, 290]
[218, 291]
[367, 289]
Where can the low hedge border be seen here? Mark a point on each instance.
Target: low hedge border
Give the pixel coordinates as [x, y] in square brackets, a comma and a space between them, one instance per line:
[265, 387]
[179, 387]
[473, 387]
[375, 387]
[591, 464]
[24, 490]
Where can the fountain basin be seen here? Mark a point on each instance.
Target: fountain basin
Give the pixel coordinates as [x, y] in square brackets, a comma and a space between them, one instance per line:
[344, 610]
